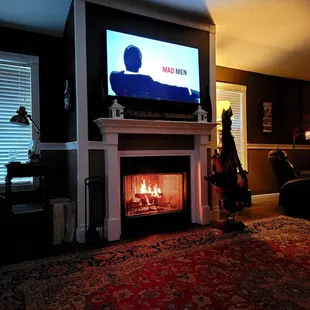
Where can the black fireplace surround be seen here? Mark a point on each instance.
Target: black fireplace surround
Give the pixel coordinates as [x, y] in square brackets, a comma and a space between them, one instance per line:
[152, 222]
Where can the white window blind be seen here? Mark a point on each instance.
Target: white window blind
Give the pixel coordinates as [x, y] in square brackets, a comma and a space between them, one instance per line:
[15, 91]
[235, 94]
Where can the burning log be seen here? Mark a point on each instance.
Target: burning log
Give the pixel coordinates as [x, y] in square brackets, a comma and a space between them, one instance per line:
[144, 209]
[149, 195]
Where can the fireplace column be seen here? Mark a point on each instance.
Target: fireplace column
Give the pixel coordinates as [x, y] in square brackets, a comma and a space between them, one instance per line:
[203, 210]
[112, 221]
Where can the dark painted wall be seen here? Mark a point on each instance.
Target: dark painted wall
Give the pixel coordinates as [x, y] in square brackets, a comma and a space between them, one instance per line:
[291, 107]
[70, 115]
[98, 19]
[305, 109]
[96, 163]
[56, 62]
[57, 179]
[51, 69]
[155, 142]
[290, 100]
[261, 177]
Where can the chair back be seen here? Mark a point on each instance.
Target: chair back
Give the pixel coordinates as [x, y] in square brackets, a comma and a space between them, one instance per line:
[282, 168]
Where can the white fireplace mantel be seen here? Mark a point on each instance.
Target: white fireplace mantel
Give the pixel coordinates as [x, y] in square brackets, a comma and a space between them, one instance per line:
[111, 128]
[132, 126]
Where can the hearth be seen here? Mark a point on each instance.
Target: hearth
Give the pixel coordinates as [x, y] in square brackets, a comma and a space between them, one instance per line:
[155, 194]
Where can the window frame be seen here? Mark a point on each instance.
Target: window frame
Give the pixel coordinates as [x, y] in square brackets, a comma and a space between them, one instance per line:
[240, 89]
[33, 63]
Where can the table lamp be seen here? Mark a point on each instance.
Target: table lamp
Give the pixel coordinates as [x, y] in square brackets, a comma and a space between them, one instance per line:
[301, 130]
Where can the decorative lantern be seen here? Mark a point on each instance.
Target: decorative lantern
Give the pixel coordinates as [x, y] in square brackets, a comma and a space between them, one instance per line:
[116, 110]
[200, 115]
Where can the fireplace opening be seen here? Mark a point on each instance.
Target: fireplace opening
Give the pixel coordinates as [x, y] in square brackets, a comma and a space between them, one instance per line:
[155, 194]
[150, 194]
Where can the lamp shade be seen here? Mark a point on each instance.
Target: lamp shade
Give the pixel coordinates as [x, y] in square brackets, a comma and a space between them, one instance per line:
[220, 105]
[307, 135]
[21, 117]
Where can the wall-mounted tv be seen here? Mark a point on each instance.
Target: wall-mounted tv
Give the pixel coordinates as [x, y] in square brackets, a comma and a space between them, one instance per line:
[139, 67]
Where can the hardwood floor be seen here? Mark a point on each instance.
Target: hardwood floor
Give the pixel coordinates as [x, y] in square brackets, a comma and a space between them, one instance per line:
[260, 210]
[256, 211]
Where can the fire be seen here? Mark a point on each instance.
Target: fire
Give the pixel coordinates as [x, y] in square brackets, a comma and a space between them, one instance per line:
[147, 189]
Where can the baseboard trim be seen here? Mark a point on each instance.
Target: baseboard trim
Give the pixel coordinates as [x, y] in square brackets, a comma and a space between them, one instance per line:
[80, 234]
[265, 197]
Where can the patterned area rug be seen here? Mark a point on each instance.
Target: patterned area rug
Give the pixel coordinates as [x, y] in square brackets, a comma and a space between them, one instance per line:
[266, 266]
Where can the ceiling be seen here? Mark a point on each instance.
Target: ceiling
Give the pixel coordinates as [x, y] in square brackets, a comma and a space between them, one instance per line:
[43, 16]
[265, 36]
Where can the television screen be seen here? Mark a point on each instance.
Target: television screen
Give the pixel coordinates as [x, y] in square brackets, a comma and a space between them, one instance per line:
[144, 68]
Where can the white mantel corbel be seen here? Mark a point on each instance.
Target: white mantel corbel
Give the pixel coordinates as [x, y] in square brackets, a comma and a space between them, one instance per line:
[111, 128]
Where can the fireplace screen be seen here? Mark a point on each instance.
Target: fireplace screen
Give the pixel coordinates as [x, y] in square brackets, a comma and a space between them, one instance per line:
[148, 194]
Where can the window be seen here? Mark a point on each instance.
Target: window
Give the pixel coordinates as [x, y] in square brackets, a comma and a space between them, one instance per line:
[234, 96]
[18, 87]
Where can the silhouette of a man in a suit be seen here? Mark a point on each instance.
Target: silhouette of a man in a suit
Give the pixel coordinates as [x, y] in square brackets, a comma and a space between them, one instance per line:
[130, 83]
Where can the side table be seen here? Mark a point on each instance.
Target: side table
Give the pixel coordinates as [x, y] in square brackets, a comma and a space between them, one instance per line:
[32, 222]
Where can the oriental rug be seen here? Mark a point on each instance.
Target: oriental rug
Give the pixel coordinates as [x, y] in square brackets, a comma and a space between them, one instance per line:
[266, 266]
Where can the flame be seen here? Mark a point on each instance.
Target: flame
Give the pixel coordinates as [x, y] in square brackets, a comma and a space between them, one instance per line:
[147, 189]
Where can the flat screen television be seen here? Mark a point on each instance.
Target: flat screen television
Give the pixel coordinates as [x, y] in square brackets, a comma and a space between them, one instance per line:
[139, 67]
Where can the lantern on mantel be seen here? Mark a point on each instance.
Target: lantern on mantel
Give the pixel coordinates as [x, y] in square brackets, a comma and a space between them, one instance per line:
[116, 110]
[200, 115]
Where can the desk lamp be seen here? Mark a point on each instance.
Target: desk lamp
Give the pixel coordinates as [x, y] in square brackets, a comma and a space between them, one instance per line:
[22, 119]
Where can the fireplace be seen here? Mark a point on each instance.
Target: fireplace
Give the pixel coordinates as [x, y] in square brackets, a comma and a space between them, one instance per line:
[155, 194]
[129, 161]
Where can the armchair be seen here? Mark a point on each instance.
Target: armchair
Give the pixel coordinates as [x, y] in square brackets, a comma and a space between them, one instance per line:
[294, 191]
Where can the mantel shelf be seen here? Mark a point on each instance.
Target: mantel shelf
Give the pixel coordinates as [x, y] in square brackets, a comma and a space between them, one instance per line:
[110, 125]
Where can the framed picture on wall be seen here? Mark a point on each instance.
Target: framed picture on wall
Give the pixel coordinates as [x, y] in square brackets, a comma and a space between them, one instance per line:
[267, 116]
